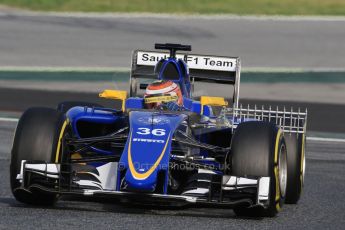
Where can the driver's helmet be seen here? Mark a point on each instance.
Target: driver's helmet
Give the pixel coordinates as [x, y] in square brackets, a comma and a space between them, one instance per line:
[161, 92]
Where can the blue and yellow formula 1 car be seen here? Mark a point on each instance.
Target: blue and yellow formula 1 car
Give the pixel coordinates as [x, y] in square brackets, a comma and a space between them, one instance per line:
[188, 152]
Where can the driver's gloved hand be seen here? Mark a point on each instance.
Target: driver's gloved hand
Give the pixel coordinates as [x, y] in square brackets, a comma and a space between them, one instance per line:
[173, 106]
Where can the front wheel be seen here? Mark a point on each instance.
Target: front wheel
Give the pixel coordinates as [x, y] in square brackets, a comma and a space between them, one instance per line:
[258, 149]
[37, 138]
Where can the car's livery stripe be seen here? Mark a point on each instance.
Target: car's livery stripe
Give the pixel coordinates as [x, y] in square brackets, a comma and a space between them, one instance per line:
[145, 175]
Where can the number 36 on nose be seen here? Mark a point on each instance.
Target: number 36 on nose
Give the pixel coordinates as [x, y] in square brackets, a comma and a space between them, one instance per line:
[147, 131]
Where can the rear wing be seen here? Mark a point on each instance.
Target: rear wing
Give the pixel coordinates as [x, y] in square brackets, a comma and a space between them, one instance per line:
[218, 69]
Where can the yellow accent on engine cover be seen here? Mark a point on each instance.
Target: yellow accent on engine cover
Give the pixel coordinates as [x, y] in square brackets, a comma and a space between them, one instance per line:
[213, 101]
[115, 94]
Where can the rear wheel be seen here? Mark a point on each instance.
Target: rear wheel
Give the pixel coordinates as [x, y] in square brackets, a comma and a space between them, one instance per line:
[258, 150]
[296, 167]
[37, 138]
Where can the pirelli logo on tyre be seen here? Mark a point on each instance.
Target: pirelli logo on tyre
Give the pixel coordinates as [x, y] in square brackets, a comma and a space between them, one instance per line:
[193, 61]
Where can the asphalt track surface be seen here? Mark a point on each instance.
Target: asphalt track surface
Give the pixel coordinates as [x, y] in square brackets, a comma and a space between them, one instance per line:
[41, 40]
[321, 206]
[321, 117]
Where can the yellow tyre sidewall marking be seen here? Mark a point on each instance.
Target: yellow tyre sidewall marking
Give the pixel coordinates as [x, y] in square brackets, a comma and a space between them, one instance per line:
[62, 131]
[276, 169]
[302, 161]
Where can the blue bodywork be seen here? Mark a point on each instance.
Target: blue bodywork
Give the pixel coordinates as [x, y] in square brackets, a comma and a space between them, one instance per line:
[182, 74]
[147, 150]
[146, 154]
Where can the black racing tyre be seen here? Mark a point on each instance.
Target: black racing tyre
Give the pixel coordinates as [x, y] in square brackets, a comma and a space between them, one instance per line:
[66, 105]
[258, 150]
[296, 167]
[37, 138]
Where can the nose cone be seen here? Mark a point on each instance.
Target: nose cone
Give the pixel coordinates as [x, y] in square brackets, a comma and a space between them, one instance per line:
[145, 162]
[147, 151]
[135, 185]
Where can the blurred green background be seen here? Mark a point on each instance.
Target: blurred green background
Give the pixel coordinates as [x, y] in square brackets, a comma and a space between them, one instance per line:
[241, 7]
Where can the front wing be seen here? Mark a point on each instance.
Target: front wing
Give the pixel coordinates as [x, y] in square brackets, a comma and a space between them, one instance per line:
[52, 172]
